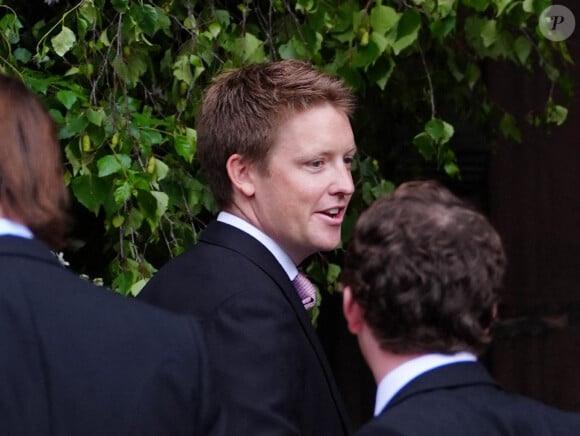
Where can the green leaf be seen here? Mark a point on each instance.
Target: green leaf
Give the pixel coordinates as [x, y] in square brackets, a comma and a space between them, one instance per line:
[88, 11]
[112, 164]
[383, 188]
[489, 32]
[123, 193]
[451, 169]
[439, 130]
[425, 146]
[147, 18]
[252, 48]
[186, 145]
[161, 169]
[22, 55]
[383, 19]
[509, 128]
[162, 201]
[10, 27]
[90, 191]
[120, 5]
[556, 114]
[64, 41]
[67, 98]
[523, 48]
[96, 117]
[136, 287]
[478, 5]
[407, 30]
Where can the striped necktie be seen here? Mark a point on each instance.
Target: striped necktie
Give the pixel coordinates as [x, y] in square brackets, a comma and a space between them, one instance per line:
[306, 290]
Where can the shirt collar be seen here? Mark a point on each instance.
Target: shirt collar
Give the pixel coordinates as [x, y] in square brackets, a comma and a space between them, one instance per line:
[12, 228]
[243, 225]
[402, 375]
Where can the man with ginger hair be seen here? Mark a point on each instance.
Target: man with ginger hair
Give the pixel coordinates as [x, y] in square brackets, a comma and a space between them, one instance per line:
[276, 144]
[77, 359]
[420, 279]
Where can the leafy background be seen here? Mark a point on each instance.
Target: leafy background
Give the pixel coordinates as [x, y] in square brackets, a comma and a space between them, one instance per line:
[123, 79]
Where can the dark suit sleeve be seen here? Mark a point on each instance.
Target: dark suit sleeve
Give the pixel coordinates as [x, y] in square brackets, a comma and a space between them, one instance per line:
[257, 359]
[178, 398]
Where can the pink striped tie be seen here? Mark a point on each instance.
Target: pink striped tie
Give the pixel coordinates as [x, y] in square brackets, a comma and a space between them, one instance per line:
[306, 290]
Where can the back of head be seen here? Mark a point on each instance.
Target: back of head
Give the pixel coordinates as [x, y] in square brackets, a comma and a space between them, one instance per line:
[32, 189]
[425, 268]
[242, 108]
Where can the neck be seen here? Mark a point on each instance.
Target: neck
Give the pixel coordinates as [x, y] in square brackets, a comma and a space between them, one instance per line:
[380, 361]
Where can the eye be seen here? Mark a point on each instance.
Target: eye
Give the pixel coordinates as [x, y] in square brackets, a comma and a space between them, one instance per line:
[316, 163]
[348, 160]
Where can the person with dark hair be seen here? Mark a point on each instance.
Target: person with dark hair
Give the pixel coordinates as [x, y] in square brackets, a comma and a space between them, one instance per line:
[276, 144]
[77, 359]
[420, 281]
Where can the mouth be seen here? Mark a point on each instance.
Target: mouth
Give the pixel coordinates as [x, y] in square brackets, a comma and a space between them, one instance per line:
[335, 213]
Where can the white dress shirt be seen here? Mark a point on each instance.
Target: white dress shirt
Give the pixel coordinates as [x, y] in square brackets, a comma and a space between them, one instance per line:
[241, 224]
[403, 374]
[12, 228]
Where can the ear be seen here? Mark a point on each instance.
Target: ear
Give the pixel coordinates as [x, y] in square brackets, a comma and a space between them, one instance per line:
[240, 174]
[353, 313]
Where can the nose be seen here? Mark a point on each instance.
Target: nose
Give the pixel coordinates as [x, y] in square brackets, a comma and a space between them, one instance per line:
[343, 184]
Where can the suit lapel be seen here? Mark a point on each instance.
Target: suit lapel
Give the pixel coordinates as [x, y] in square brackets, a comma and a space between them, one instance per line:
[444, 377]
[224, 235]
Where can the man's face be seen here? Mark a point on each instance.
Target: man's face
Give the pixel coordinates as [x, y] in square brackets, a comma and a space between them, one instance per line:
[301, 198]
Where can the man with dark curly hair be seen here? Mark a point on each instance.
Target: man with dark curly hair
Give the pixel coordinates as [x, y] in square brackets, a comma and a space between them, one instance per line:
[420, 280]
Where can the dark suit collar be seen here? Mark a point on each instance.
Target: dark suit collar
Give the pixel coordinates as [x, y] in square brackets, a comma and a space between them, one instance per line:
[444, 377]
[30, 248]
[227, 236]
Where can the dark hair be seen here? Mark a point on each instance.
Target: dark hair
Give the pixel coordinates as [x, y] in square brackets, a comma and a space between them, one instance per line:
[425, 268]
[242, 109]
[32, 189]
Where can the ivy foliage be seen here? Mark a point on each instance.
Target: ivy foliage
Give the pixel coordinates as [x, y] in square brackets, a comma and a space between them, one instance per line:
[123, 79]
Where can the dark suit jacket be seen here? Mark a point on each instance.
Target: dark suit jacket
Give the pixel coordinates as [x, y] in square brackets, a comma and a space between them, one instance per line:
[461, 399]
[273, 374]
[76, 359]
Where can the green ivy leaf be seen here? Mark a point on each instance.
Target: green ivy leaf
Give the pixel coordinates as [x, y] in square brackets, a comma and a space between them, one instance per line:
[425, 146]
[407, 30]
[90, 191]
[123, 193]
[162, 201]
[22, 55]
[523, 48]
[478, 5]
[161, 169]
[96, 117]
[112, 164]
[67, 98]
[489, 32]
[439, 130]
[64, 41]
[383, 19]
[509, 128]
[136, 287]
[186, 145]
[121, 6]
[556, 114]
[147, 18]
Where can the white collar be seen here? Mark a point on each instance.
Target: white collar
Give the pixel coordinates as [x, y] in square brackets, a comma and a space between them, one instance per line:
[12, 228]
[243, 225]
[402, 375]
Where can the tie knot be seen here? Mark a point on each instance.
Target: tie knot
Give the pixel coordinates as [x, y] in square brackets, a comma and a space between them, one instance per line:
[306, 290]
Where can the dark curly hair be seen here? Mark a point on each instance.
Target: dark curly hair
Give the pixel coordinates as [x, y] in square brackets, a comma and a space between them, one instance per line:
[425, 268]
